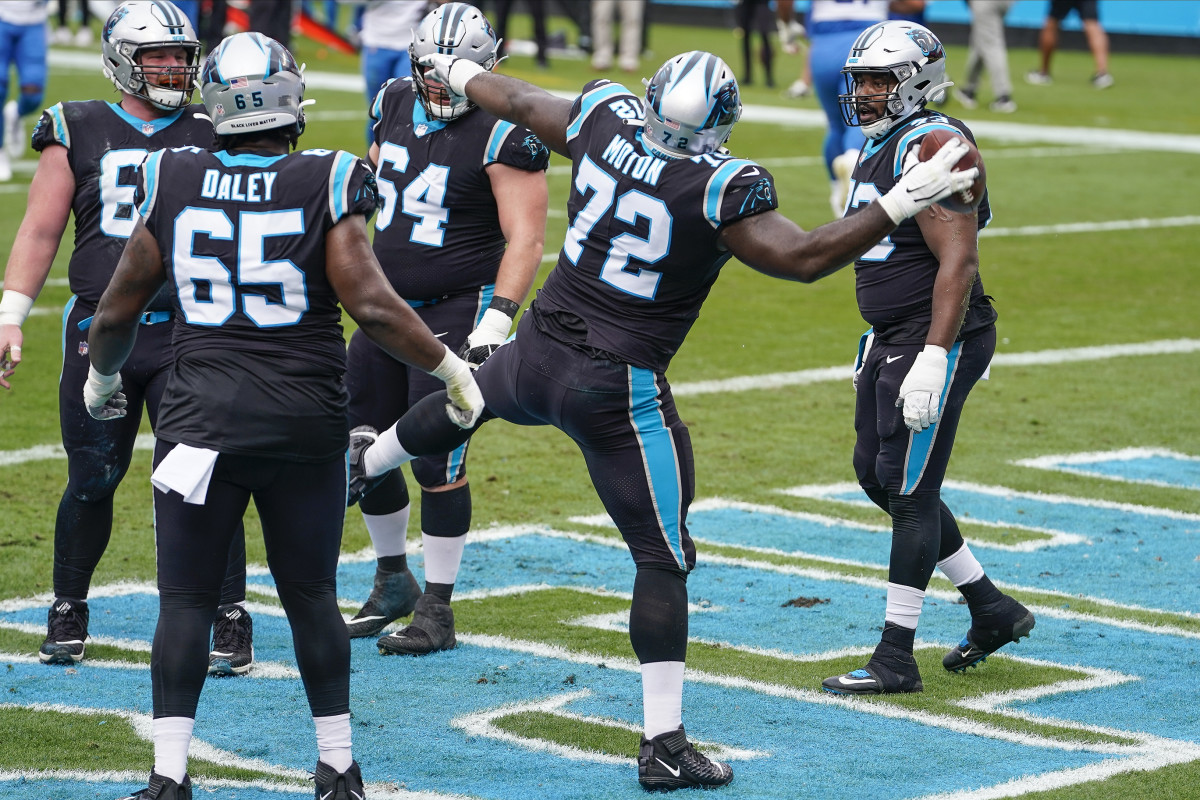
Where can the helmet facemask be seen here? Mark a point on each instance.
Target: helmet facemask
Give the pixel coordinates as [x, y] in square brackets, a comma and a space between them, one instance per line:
[456, 29]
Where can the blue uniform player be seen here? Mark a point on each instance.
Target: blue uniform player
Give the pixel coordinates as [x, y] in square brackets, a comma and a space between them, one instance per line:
[23, 46]
[933, 336]
[460, 237]
[657, 209]
[90, 151]
[258, 247]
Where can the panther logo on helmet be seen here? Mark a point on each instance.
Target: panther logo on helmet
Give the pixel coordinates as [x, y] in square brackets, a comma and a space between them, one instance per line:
[691, 106]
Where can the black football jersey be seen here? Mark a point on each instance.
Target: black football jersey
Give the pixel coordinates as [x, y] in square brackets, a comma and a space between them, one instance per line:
[105, 144]
[259, 351]
[641, 252]
[894, 279]
[437, 231]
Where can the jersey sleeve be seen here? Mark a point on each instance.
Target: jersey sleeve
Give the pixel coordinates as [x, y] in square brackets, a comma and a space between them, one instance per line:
[517, 147]
[377, 109]
[352, 188]
[738, 188]
[51, 129]
[145, 192]
[597, 94]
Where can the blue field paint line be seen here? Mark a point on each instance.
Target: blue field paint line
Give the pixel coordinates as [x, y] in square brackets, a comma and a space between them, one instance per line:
[1129, 554]
[1152, 466]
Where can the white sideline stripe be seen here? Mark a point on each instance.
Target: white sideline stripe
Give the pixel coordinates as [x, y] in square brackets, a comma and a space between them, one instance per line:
[797, 117]
[1091, 227]
[480, 723]
[779, 380]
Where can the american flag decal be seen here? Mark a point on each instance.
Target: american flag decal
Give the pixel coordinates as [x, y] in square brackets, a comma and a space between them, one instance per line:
[239, 83]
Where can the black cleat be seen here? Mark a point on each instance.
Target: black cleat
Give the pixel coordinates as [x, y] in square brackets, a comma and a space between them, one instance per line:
[990, 631]
[431, 630]
[669, 761]
[889, 671]
[334, 785]
[161, 788]
[66, 630]
[359, 484]
[233, 642]
[394, 595]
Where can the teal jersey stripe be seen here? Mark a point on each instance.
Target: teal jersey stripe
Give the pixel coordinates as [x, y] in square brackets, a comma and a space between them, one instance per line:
[590, 101]
[716, 188]
[921, 130]
[339, 187]
[921, 444]
[150, 168]
[658, 450]
[500, 132]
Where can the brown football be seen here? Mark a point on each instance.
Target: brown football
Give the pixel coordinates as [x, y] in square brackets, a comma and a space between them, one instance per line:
[967, 200]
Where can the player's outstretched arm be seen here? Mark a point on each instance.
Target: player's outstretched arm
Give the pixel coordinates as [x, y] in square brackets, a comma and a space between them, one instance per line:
[508, 98]
[50, 195]
[365, 293]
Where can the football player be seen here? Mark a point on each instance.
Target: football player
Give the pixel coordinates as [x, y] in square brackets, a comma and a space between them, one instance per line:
[89, 152]
[257, 246]
[657, 209]
[933, 336]
[460, 238]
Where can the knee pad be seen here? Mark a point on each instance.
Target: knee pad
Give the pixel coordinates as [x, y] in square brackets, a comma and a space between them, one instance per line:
[446, 513]
[388, 497]
[27, 103]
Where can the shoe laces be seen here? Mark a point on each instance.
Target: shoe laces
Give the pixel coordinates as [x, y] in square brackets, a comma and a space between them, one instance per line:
[67, 621]
[231, 632]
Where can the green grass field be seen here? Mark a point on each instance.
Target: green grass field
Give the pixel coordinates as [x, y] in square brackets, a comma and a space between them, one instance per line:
[1092, 246]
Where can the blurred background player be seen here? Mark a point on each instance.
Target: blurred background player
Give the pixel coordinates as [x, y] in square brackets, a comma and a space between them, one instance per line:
[657, 210]
[833, 25]
[460, 236]
[255, 408]
[628, 43]
[89, 152]
[1093, 32]
[987, 50]
[386, 32]
[23, 48]
[933, 336]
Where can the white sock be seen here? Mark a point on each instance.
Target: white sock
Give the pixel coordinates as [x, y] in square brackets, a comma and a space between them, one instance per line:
[389, 532]
[385, 454]
[961, 568]
[662, 697]
[172, 735]
[333, 741]
[903, 605]
[443, 554]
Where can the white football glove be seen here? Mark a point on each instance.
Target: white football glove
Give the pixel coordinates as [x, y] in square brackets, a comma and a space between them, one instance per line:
[103, 396]
[466, 401]
[925, 182]
[451, 71]
[921, 391]
[491, 332]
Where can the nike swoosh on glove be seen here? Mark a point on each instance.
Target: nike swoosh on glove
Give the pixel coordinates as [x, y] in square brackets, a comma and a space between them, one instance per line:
[921, 391]
[487, 337]
[925, 182]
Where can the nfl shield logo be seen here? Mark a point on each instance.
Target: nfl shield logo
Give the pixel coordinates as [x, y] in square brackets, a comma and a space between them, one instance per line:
[420, 129]
[83, 348]
[147, 128]
[219, 110]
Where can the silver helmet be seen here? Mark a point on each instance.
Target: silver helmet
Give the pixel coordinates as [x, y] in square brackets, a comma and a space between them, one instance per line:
[251, 83]
[914, 58]
[134, 28]
[692, 103]
[457, 29]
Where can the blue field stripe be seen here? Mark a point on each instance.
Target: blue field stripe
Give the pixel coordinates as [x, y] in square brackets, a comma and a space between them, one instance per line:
[920, 445]
[658, 450]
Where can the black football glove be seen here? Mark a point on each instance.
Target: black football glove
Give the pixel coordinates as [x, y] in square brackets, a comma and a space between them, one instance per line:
[361, 438]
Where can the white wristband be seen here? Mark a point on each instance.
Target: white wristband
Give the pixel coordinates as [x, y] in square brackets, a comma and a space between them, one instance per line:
[895, 206]
[101, 381]
[496, 322]
[451, 366]
[14, 308]
[461, 71]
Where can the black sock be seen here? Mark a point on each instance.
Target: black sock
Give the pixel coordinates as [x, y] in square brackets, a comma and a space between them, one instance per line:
[899, 636]
[980, 595]
[393, 564]
[442, 591]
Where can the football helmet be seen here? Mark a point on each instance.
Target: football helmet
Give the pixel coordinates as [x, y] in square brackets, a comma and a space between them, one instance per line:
[692, 103]
[133, 28]
[456, 29]
[250, 83]
[915, 59]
